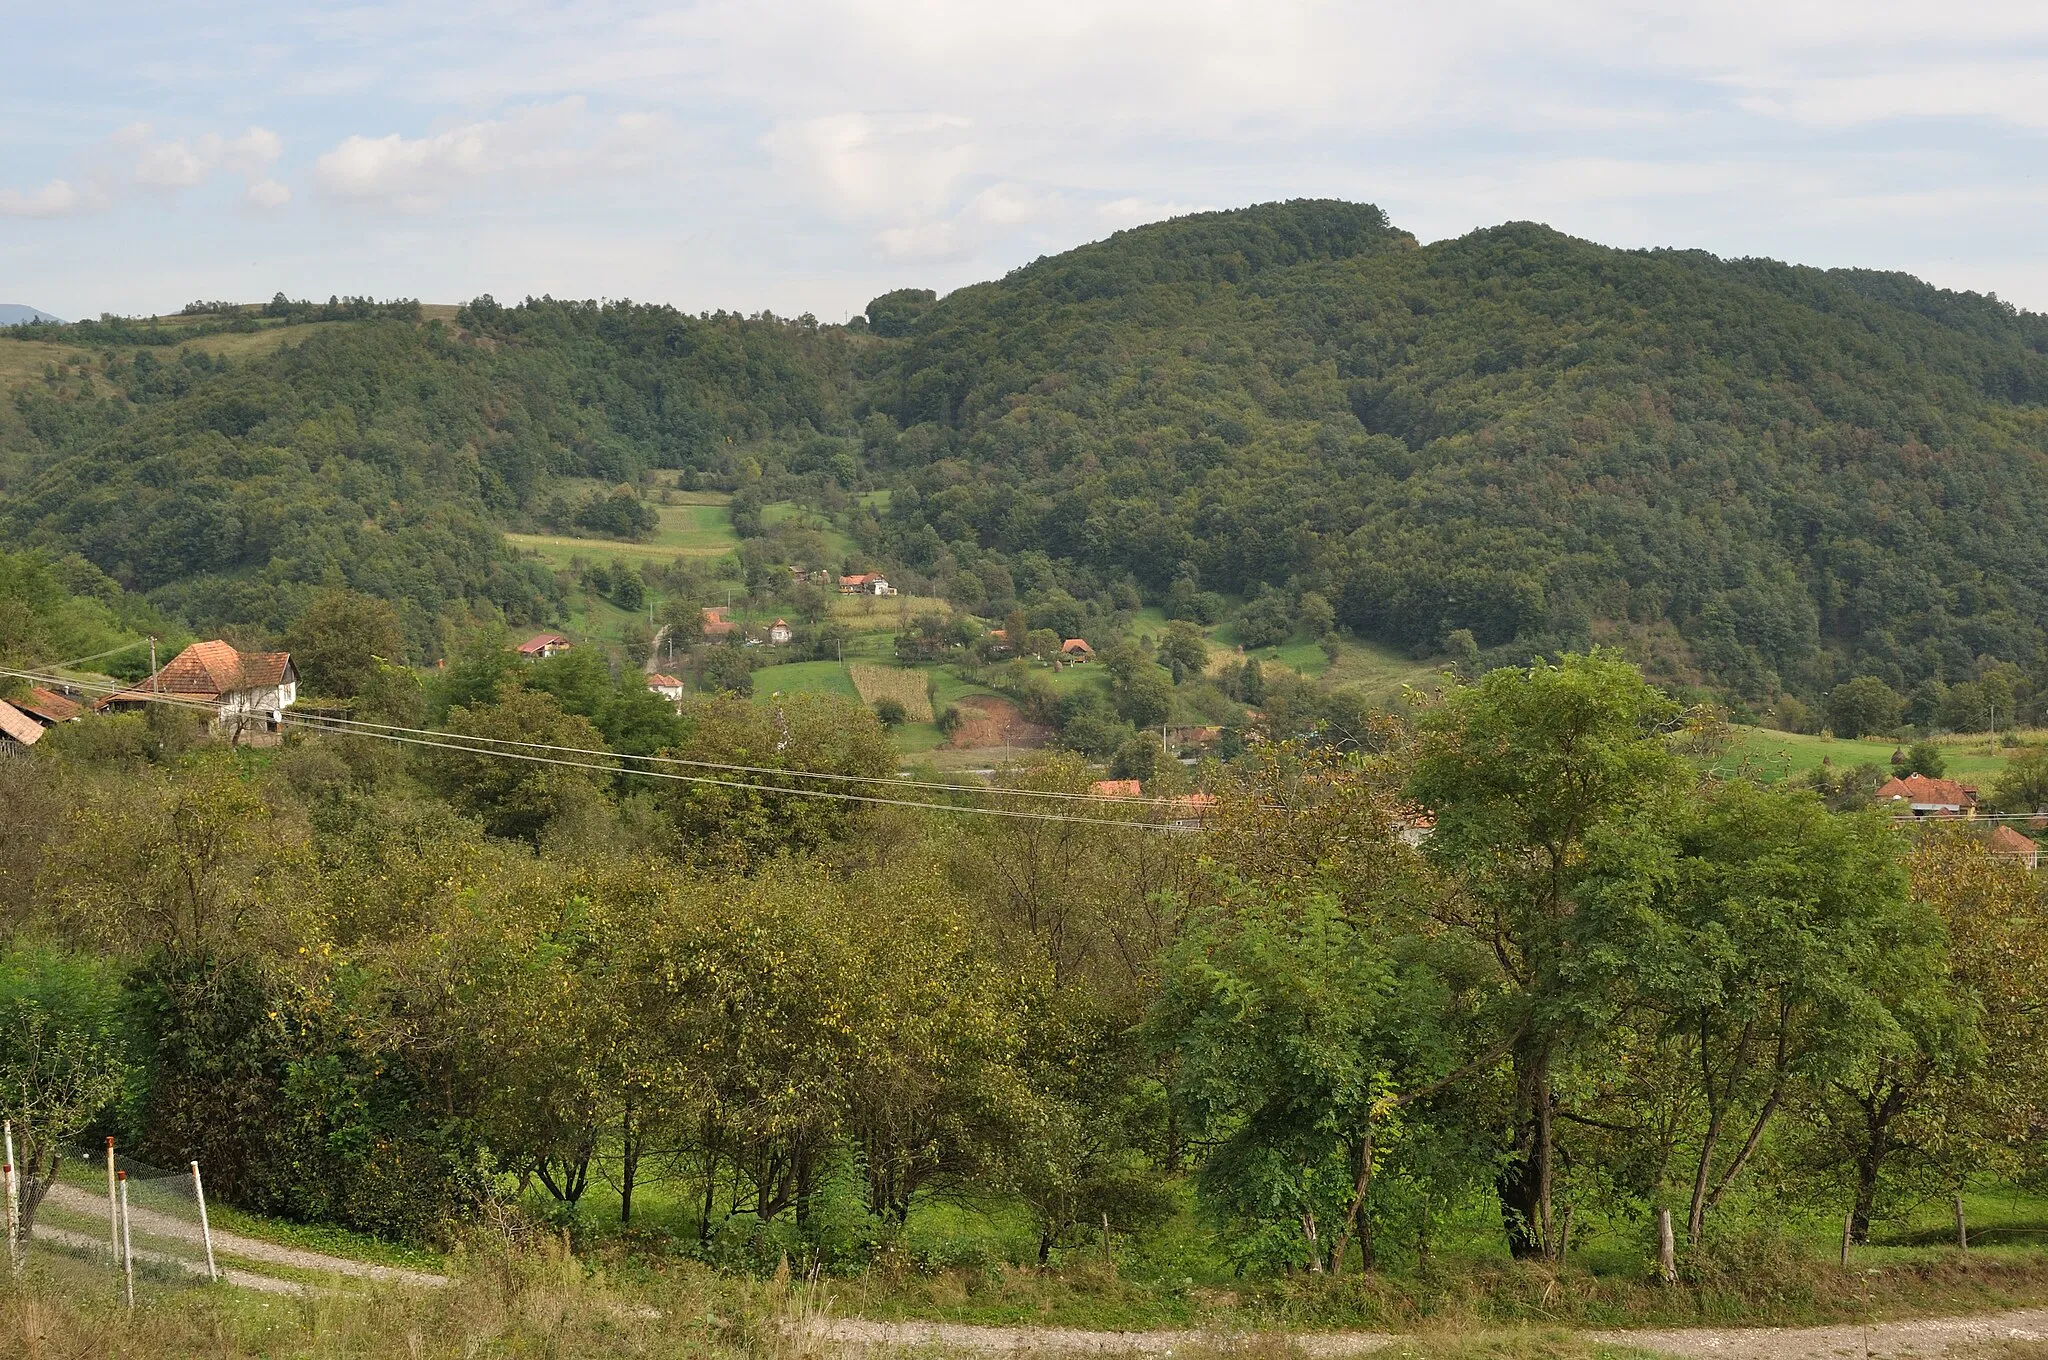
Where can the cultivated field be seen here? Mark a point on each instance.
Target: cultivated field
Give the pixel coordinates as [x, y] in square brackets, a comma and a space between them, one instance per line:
[906, 687]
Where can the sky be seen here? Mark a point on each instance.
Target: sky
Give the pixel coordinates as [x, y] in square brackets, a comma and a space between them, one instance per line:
[805, 156]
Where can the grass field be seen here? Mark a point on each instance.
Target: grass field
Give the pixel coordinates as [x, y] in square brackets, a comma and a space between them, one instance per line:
[905, 686]
[805, 677]
[701, 530]
[788, 512]
[1774, 755]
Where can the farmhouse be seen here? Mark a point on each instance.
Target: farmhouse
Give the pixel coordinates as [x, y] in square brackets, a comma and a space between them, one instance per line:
[717, 625]
[541, 646]
[18, 731]
[667, 686]
[1925, 797]
[48, 707]
[866, 583]
[246, 693]
[1077, 651]
[779, 632]
[2011, 844]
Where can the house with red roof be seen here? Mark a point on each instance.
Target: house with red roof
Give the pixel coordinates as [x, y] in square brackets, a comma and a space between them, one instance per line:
[244, 694]
[2011, 844]
[1076, 651]
[1923, 796]
[716, 624]
[541, 646]
[1117, 788]
[866, 583]
[18, 731]
[668, 687]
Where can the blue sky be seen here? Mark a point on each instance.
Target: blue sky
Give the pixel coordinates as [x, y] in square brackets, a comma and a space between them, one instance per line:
[806, 156]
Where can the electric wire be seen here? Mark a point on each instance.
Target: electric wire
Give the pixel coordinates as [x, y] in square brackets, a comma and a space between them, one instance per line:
[980, 790]
[319, 725]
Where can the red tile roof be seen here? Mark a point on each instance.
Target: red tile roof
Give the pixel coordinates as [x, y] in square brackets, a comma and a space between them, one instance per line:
[207, 670]
[1918, 790]
[2007, 841]
[542, 640]
[1117, 788]
[48, 705]
[19, 725]
[1077, 645]
[660, 681]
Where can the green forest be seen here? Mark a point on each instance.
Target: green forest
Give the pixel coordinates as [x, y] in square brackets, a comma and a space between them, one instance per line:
[1758, 480]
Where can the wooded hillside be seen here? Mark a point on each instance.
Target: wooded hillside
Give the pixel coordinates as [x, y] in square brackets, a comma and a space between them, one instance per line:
[1761, 478]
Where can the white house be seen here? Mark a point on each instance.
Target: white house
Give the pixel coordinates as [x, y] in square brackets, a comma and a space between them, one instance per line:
[779, 632]
[245, 693]
[866, 583]
[667, 686]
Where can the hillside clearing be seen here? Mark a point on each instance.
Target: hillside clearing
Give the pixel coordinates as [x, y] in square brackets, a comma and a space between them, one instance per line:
[906, 687]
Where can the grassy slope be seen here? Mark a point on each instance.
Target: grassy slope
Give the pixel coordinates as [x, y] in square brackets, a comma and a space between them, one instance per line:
[1772, 755]
[701, 530]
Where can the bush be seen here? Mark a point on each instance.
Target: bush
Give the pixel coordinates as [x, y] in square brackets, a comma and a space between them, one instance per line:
[890, 712]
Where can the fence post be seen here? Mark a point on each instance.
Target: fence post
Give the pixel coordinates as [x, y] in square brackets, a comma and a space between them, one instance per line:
[127, 1248]
[12, 1208]
[113, 1207]
[1962, 1229]
[205, 1228]
[1848, 1230]
[1667, 1249]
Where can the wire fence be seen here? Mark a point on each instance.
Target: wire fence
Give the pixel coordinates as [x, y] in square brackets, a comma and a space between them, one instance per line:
[109, 1221]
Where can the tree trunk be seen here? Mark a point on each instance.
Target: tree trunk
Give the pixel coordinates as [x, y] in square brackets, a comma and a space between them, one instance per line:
[629, 1163]
[1866, 1199]
[1524, 1181]
[1695, 1219]
[1361, 1188]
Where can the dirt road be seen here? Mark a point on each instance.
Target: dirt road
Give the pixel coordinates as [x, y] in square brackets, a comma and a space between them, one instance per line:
[151, 1223]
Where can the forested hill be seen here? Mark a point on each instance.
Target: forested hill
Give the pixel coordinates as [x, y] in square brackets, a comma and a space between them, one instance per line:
[1759, 477]
[1517, 433]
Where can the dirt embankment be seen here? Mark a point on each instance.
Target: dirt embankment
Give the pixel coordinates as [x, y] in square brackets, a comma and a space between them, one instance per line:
[987, 722]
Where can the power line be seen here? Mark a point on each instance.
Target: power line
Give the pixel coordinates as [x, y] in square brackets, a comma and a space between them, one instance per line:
[973, 790]
[319, 725]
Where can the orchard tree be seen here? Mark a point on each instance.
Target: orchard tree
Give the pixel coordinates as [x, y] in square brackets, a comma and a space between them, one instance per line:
[63, 1063]
[1524, 771]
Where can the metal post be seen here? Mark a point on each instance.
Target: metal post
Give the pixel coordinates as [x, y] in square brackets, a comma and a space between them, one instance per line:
[205, 1228]
[113, 1206]
[127, 1248]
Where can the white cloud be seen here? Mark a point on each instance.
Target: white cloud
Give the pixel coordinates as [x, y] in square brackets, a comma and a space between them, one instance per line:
[530, 148]
[266, 194]
[868, 165]
[181, 164]
[58, 198]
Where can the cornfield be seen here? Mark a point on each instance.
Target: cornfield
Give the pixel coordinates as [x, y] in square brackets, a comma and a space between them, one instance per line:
[876, 683]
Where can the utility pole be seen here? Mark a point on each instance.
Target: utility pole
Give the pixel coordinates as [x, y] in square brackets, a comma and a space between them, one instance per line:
[154, 687]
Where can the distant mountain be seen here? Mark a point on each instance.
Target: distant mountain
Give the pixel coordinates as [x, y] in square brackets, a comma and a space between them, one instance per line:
[20, 314]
